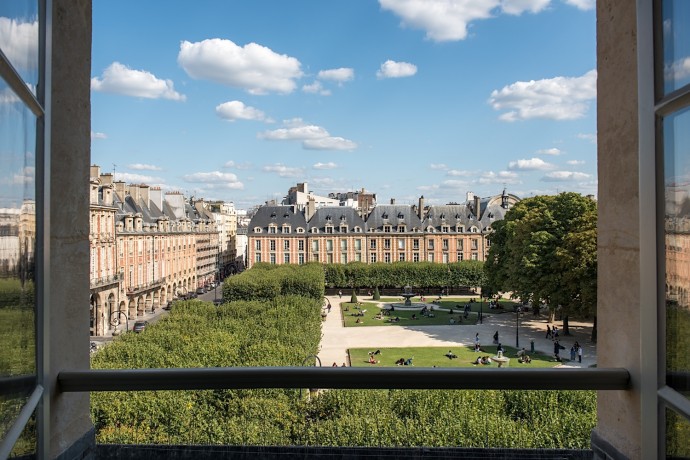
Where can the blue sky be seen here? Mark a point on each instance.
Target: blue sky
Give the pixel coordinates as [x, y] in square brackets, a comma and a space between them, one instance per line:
[240, 100]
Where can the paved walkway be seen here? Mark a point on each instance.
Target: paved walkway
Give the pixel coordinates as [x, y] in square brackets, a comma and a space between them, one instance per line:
[336, 339]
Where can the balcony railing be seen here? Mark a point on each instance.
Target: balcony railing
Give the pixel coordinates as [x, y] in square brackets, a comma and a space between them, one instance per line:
[104, 281]
[144, 286]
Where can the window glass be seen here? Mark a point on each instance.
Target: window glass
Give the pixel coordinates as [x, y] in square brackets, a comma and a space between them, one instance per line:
[19, 38]
[17, 244]
[677, 246]
[676, 38]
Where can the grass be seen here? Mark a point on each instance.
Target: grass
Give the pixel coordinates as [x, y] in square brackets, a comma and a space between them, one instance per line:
[435, 356]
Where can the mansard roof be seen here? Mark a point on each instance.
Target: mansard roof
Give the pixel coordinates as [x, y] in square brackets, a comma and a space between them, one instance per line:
[394, 215]
[267, 216]
[336, 216]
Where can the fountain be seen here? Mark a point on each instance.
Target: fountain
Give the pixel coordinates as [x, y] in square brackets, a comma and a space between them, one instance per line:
[407, 295]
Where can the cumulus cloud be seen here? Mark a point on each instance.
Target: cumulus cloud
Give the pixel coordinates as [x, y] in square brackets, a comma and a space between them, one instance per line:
[23, 176]
[575, 162]
[428, 188]
[95, 135]
[455, 184]
[254, 68]
[392, 69]
[588, 137]
[582, 4]
[438, 166]
[133, 178]
[501, 177]
[533, 164]
[517, 7]
[460, 173]
[329, 165]
[552, 151]
[559, 98]
[284, 171]
[215, 179]
[232, 164]
[678, 70]
[144, 167]
[313, 137]
[120, 79]
[316, 88]
[340, 75]
[19, 42]
[236, 110]
[565, 176]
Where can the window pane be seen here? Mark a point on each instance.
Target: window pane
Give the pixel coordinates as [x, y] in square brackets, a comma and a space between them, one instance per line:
[677, 241]
[677, 435]
[676, 18]
[19, 38]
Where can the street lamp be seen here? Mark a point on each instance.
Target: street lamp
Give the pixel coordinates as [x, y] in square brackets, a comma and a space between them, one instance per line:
[116, 320]
[481, 308]
[517, 327]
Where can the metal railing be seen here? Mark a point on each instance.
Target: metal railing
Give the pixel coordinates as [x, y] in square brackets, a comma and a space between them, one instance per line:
[342, 378]
[105, 280]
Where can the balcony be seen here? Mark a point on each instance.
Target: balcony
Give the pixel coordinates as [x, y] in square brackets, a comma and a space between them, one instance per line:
[146, 286]
[97, 283]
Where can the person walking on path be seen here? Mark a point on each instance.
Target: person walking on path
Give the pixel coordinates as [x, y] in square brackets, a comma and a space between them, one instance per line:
[557, 347]
[476, 338]
[548, 331]
[496, 337]
[340, 294]
[579, 352]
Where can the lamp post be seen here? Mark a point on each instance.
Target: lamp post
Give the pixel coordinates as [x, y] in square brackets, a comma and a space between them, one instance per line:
[517, 327]
[116, 320]
[481, 309]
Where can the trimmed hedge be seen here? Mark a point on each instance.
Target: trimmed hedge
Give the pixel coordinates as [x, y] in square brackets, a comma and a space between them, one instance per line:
[266, 282]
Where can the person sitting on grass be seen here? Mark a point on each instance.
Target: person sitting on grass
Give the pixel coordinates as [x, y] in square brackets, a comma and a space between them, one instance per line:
[477, 347]
[359, 321]
[451, 355]
[372, 360]
[400, 362]
[524, 359]
[408, 362]
[414, 316]
[486, 360]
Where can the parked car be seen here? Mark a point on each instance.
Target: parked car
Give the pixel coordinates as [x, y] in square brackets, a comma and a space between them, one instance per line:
[200, 290]
[139, 326]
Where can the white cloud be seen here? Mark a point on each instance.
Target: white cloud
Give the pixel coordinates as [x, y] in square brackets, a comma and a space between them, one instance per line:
[254, 68]
[552, 151]
[95, 135]
[329, 143]
[316, 88]
[24, 176]
[460, 173]
[517, 7]
[575, 162]
[438, 166]
[428, 188]
[144, 167]
[120, 79]
[236, 110]
[442, 20]
[502, 177]
[565, 176]
[559, 98]
[392, 69]
[232, 164]
[133, 178]
[588, 137]
[19, 42]
[340, 75]
[284, 171]
[215, 179]
[581, 4]
[455, 184]
[678, 70]
[533, 164]
[313, 137]
[329, 165]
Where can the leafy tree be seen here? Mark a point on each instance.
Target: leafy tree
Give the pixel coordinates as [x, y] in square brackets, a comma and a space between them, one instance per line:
[545, 251]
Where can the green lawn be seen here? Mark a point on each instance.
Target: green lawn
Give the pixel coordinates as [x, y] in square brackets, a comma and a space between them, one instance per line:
[405, 316]
[435, 356]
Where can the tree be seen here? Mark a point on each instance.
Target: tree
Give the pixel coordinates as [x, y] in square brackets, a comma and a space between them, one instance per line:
[545, 251]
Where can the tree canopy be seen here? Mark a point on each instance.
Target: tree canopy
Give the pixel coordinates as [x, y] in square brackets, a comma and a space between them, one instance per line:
[545, 250]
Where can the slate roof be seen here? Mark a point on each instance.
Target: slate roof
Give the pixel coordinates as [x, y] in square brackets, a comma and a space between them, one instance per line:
[278, 215]
[394, 215]
[335, 216]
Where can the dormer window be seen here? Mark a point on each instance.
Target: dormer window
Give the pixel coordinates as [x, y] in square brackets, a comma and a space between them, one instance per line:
[314, 230]
[460, 228]
[343, 229]
[286, 229]
[430, 229]
[401, 228]
[272, 229]
[329, 229]
[387, 228]
[273, 215]
[445, 228]
[300, 230]
[357, 230]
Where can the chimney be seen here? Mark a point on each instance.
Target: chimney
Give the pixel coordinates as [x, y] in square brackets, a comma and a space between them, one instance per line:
[106, 179]
[470, 196]
[144, 193]
[421, 207]
[107, 195]
[95, 171]
[156, 197]
[311, 208]
[477, 207]
[134, 192]
[121, 189]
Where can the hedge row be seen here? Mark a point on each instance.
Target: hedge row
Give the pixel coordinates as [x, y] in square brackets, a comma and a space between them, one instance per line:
[421, 275]
[267, 281]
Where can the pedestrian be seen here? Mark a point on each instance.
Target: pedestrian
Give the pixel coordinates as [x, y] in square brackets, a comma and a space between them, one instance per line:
[573, 352]
[496, 337]
[340, 294]
[579, 352]
[476, 338]
[329, 307]
[548, 331]
[557, 347]
[555, 332]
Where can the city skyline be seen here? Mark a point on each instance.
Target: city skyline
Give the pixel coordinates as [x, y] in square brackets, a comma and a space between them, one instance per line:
[239, 102]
